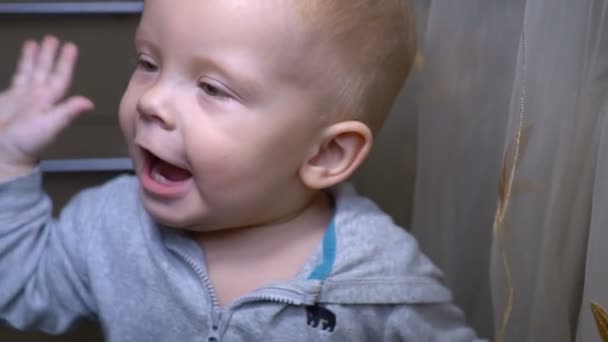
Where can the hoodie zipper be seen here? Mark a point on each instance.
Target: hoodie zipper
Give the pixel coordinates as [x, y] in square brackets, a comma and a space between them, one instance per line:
[216, 310]
[274, 294]
[269, 294]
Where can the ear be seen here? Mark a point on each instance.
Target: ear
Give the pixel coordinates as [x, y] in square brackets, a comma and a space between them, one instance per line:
[342, 149]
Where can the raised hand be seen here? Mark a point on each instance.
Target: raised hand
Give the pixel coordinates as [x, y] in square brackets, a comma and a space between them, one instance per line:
[33, 111]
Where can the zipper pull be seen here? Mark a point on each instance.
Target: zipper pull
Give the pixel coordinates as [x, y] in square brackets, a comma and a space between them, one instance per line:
[216, 317]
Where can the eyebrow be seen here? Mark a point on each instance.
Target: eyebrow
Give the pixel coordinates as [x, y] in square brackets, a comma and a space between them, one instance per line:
[138, 41]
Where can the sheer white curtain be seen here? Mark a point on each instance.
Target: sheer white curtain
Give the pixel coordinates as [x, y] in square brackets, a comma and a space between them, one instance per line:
[512, 114]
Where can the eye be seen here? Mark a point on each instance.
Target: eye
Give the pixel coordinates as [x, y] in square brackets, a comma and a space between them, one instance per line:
[213, 91]
[146, 65]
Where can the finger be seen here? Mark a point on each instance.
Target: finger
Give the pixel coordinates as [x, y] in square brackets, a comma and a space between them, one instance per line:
[25, 65]
[61, 77]
[64, 113]
[45, 59]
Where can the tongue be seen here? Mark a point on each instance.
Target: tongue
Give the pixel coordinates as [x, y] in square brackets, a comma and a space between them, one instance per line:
[171, 172]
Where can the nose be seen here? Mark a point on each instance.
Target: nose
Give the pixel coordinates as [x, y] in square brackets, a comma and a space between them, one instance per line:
[155, 106]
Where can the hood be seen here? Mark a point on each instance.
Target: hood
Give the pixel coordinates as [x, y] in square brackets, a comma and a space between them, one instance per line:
[367, 259]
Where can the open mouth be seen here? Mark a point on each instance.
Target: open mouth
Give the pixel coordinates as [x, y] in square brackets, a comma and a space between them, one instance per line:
[161, 177]
[165, 172]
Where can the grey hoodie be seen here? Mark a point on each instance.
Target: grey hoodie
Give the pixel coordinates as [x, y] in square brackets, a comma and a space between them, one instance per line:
[106, 259]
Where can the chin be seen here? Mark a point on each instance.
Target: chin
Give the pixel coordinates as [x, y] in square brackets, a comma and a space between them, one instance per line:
[167, 215]
[170, 222]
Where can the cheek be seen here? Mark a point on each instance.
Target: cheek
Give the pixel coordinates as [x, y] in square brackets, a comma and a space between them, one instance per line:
[244, 156]
[248, 166]
[222, 165]
[127, 113]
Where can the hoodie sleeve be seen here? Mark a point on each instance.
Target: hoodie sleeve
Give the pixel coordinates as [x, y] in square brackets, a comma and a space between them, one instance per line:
[433, 322]
[43, 272]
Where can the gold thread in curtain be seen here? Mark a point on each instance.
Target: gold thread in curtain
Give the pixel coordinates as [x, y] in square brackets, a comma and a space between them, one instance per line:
[505, 187]
[601, 320]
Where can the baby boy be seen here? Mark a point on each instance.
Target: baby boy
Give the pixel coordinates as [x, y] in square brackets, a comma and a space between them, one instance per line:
[244, 119]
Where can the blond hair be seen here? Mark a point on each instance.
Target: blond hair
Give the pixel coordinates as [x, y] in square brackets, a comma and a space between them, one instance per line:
[372, 49]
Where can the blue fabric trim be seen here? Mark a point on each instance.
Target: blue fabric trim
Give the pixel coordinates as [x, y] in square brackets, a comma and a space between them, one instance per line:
[322, 271]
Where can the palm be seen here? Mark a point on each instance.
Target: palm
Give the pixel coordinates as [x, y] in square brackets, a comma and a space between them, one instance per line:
[32, 112]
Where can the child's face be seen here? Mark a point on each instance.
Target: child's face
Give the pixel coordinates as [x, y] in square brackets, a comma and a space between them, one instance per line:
[218, 93]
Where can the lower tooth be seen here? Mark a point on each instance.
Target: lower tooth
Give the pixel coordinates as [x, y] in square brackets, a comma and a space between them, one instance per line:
[159, 178]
